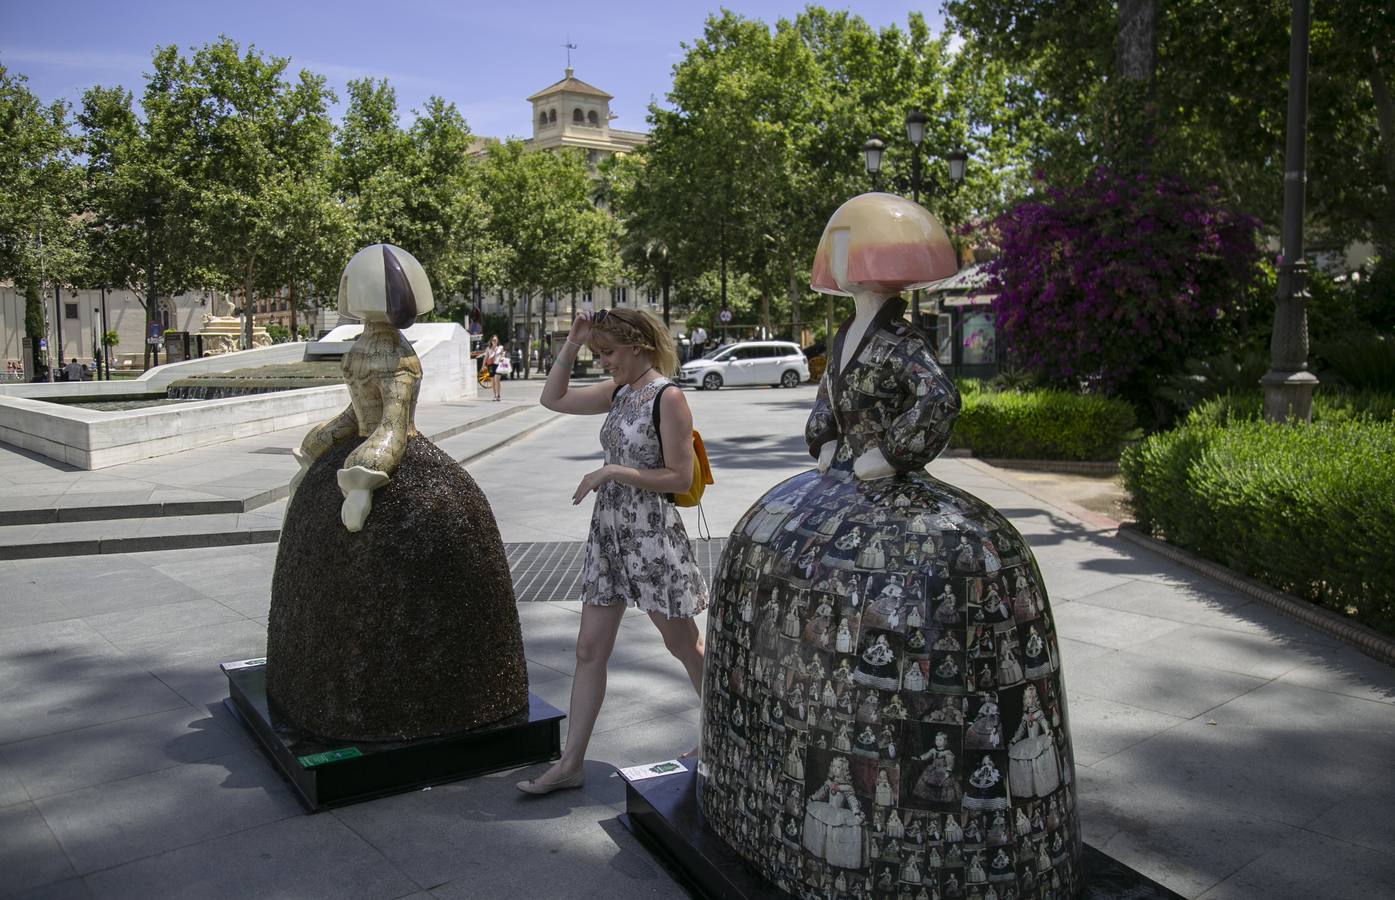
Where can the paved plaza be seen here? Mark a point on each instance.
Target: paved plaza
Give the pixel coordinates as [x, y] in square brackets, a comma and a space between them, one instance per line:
[1222, 748]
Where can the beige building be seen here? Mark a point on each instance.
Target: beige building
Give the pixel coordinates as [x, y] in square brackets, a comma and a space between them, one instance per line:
[572, 113]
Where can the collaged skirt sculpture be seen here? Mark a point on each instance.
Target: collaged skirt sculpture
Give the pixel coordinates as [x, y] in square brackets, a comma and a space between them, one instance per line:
[884, 714]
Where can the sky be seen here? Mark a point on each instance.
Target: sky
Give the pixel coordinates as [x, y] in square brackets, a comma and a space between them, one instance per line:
[486, 57]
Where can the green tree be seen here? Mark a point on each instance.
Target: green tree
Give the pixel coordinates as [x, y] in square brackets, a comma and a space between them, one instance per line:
[372, 157]
[1217, 98]
[40, 199]
[542, 210]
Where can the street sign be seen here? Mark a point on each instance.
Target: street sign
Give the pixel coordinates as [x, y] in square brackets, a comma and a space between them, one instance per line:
[724, 317]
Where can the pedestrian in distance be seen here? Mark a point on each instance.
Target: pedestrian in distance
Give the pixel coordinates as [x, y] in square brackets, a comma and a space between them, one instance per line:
[699, 339]
[637, 551]
[492, 355]
[73, 370]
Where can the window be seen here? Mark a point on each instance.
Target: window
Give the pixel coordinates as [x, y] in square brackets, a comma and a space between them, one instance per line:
[70, 311]
[586, 296]
[577, 116]
[944, 339]
[593, 119]
[542, 119]
[624, 294]
[551, 115]
[979, 340]
[652, 295]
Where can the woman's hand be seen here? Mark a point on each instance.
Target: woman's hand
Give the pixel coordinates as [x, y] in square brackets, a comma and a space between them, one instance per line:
[581, 328]
[593, 480]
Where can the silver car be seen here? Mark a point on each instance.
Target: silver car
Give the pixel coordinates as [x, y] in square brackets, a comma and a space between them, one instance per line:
[776, 363]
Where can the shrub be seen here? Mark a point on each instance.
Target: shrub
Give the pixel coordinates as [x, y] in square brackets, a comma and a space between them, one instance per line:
[1042, 424]
[1328, 406]
[1304, 508]
[1118, 279]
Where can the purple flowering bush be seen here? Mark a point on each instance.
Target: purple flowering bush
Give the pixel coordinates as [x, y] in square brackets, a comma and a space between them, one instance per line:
[1115, 281]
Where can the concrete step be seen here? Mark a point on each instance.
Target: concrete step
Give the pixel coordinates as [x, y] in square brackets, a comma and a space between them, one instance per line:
[262, 525]
[267, 483]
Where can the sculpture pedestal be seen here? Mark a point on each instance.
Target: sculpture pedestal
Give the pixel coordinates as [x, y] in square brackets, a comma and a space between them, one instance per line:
[663, 814]
[327, 774]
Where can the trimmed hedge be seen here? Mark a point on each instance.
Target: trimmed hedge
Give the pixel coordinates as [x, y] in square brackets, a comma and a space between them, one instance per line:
[1328, 406]
[1041, 424]
[1309, 509]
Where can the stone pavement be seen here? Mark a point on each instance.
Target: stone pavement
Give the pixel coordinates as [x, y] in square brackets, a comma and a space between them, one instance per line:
[1222, 749]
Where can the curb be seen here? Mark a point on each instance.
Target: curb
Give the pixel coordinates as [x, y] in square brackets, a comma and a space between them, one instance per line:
[1063, 466]
[1369, 641]
[148, 543]
[52, 515]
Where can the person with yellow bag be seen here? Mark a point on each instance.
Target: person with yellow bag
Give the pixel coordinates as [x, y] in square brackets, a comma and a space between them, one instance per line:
[637, 550]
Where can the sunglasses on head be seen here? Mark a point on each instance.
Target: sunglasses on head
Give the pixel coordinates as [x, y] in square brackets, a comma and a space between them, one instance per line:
[600, 315]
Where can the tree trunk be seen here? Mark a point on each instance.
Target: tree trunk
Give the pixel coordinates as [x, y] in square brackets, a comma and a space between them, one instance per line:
[295, 325]
[663, 286]
[34, 326]
[796, 296]
[249, 313]
[1385, 121]
[1136, 40]
[527, 334]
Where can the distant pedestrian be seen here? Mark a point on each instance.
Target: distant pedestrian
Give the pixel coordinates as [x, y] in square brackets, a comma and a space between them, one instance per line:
[699, 339]
[494, 355]
[73, 371]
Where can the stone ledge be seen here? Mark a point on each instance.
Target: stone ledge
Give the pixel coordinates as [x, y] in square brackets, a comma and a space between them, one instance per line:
[1364, 638]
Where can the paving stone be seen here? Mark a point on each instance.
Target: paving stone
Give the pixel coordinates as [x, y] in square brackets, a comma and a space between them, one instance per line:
[30, 856]
[40, 705]
[90, 756]
[1308, 865]
[1167, 837]
[1109, 627]
[1100, 728]
[110, 824]
[1168, 686]
[303, 856]
[130, 627]
[1231, 651]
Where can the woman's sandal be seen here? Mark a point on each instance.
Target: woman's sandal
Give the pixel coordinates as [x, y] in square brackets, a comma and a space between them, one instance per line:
[539, 787]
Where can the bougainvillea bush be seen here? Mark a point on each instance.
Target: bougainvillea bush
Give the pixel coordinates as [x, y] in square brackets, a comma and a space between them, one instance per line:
[1115, 281]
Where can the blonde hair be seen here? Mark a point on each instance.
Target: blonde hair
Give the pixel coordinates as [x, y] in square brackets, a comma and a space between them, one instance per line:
[642, 329]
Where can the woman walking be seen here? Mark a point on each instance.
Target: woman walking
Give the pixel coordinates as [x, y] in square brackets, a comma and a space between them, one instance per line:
[637, 551]
[492, 354]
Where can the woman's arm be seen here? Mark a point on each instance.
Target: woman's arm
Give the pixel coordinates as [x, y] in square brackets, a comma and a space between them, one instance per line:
[676, 438]
[557, 393]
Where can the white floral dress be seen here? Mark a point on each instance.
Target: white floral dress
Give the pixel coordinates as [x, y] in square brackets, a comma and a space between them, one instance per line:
[637, 551]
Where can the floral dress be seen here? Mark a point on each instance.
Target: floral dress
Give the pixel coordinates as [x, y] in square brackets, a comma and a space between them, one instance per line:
[637, 551]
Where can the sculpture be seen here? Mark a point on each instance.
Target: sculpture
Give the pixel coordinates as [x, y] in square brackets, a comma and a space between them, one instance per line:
[402, 624]
[922, 600]
[387, 288]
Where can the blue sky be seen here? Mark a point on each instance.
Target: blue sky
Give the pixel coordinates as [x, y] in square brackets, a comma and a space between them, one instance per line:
[485, 57]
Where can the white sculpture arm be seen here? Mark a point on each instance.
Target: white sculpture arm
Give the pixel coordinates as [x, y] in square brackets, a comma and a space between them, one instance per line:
[872, 465]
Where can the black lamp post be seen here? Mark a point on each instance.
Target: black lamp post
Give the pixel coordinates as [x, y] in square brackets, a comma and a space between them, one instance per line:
[957, 160]
[1288, 385]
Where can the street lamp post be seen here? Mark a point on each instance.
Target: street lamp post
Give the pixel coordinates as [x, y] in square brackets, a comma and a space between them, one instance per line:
[96, 344]
[1288, 385]
[957, 160]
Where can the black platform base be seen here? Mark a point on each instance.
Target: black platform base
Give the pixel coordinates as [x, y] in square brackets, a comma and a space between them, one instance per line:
[663, 814]
[335, 774]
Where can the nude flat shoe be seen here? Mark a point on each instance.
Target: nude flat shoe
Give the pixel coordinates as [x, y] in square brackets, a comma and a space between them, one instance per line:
[539, 787]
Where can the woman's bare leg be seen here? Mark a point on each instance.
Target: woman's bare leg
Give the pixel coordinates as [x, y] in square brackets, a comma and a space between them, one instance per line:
[684, 641]
[594, 642]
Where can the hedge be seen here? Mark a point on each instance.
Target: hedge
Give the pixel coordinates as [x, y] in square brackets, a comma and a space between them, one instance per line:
[1041, 424]
[1328, 406]
[1309, 509]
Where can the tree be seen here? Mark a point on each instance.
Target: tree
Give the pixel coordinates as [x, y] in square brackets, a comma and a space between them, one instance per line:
[1218, 96]
[764, 140]
[543, 212]
[40, 196]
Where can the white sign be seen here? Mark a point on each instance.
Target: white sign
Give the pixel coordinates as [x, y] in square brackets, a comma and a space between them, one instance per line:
[652, 770]
[724, 316]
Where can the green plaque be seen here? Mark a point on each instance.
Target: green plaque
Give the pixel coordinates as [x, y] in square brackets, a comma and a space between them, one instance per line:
[329, 756]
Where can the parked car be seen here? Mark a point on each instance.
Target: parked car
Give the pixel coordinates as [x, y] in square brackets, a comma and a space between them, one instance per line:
[777, 363]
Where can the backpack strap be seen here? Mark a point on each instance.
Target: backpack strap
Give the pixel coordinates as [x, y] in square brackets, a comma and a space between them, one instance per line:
[656, 428]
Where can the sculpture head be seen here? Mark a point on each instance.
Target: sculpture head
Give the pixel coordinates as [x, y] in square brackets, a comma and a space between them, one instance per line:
[383, 283]
[881, 243]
